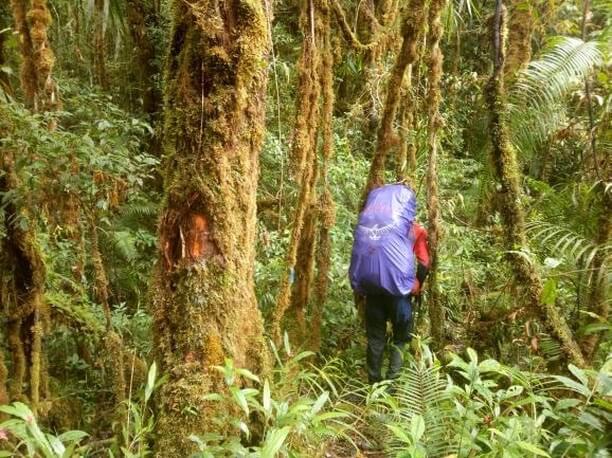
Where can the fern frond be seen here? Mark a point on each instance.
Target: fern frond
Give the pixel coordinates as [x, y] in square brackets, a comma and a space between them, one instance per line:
[564, 65]
[421, 390]
[535, 103]
[562, 242]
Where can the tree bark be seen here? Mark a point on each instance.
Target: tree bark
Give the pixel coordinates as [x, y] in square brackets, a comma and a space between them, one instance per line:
[506, 171]
[141, 15]
[436, 312]
[520, 32]
[386, 137]
[205, 308]
[22, 264]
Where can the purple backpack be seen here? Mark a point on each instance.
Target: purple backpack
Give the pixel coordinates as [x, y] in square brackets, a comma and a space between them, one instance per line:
[382, 261]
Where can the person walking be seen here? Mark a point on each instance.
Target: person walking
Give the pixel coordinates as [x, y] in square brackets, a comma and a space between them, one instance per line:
[389, 264]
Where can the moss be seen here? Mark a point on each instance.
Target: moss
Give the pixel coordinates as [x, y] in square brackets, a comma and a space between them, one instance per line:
[386, 137]
[308, 122]
[504, 160]
[38, 59]
[203, 295]
[436, 312]
[21, 291]
[520, 31]
[326, 206]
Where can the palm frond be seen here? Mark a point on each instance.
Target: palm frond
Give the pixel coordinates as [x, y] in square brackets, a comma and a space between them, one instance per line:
[562, 242]
[536, 106]
[562, 66]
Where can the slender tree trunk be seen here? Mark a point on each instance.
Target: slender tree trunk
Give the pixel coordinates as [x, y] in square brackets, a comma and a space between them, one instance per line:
[598, 295]
[141, 15]
[436, 311]
[4, 22]
[504, 161]
[520, 32]
[99, 45]
[205, 308]
[327, 207]
[387, 138]
[304, 158]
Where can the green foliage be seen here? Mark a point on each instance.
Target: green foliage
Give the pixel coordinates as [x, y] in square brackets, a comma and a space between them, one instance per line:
[537, 100]
[137, 430]
[21, 436]
[298, 411]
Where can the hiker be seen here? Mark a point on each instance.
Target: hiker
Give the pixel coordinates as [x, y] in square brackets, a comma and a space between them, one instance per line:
[389, 264]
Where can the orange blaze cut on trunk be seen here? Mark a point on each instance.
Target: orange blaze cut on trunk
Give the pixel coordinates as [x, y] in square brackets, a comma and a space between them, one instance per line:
[191, 240]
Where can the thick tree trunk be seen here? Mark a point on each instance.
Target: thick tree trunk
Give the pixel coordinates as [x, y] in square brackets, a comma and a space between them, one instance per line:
[21, 292]
[436, 312]
[506, 170]
[205, 308]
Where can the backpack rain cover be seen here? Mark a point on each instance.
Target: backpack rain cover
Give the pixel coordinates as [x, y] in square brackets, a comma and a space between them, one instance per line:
[382, 261]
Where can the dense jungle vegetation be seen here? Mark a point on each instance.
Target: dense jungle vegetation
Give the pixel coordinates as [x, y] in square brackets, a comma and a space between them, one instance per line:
[179, 183]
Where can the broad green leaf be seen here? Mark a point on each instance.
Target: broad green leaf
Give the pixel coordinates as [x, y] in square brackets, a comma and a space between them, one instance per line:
[266, 397]
[240, 398]
[320, 402]
[532, 448]
[274, 441]
[400, 433]
[150, 381]
[248, 374]
[572, 385]
[417, 427]
[579, 374]
[549, 292]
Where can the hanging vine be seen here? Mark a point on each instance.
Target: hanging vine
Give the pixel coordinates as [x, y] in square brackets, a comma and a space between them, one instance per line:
[313, 119]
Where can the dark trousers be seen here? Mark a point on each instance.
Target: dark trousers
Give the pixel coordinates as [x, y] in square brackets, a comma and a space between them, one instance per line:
[379, 310]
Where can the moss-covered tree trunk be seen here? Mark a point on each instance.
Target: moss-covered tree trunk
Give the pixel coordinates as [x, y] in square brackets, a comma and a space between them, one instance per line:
[22, 266]
[504, 161]
[386, 137]
[205, 308]
[436, 311]
[99, 44]
[520, 32]
[313, 117]
[599, 292]
[4, 24]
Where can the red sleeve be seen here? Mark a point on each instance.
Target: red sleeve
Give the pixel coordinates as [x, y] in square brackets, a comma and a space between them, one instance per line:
[420, 247]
